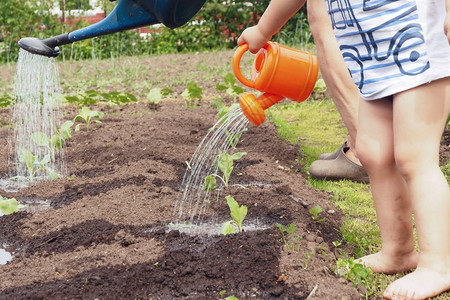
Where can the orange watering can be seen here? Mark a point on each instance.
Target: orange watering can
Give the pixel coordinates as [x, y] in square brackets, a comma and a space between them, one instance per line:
[278, 71]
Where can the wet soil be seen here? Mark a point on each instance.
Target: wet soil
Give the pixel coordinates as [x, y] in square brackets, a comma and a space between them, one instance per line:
[106, 234]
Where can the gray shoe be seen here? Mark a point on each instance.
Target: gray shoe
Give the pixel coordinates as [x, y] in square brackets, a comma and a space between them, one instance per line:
[335, 154]
[339, 168]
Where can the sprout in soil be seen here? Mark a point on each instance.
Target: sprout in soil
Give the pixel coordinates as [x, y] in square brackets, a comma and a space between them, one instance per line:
[224, 162]
[86, 115]
[238, 213]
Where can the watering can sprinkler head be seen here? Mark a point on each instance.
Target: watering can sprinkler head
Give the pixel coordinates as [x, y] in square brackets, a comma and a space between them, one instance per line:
[279, 72]
[47, 47]
[128, 14]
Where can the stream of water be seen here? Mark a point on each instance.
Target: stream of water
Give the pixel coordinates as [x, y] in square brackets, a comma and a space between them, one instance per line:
[194, 200]
[37, 109]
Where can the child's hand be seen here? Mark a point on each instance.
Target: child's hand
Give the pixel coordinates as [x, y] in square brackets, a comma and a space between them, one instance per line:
[254, 38]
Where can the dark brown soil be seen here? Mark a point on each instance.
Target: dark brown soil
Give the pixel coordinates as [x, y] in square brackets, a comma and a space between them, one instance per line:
[106, 236]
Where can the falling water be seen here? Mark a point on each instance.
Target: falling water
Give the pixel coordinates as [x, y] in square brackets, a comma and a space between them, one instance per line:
[191, 205]
[36, 109]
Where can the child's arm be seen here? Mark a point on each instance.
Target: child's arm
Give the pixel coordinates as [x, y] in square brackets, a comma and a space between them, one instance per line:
[275, 16]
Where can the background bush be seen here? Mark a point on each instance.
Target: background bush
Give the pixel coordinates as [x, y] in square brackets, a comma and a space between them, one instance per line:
[216, 26]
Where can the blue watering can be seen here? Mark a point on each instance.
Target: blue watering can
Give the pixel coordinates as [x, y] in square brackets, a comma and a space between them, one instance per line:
[128, 14]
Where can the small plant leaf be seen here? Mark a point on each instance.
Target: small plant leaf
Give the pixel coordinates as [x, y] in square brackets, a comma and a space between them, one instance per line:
[238, 155]
[195, 92]
[57, 141]
[229, 79]
[288, 229]
[237, 213]
[131, 97]
[315, 211]
[166, 92]
[221, 87]
[65, 130]
[45, 160]
[154, 96]
[210, 183]
[227, 228]
[41, 139]
[8, 206]
[238, 89]
[27, 157]
[185, 94]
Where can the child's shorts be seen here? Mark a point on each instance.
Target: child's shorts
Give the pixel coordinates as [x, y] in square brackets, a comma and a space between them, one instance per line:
[391, 46]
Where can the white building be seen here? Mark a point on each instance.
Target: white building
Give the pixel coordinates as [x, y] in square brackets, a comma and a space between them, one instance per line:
[96, 9]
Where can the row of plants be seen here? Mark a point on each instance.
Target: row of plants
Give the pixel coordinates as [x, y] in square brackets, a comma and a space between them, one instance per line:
[40, 165]
[216, 26]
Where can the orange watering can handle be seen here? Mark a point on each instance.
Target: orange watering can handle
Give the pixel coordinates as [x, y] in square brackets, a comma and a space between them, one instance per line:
[237, 66]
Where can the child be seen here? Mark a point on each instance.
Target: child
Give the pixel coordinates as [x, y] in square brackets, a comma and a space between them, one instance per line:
[398, 53]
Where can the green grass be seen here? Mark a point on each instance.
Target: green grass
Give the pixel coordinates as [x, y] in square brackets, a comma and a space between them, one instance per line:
[316, 127]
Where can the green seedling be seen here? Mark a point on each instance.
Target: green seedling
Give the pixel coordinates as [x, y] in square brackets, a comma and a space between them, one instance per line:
[191, 93]
[87, 115]
[353, 271]
[34, 165]
[166, 91]
[6, 99]
[336, 244]
[88, 97]
[224, 162]
[210, 183]
[222, 295]
[91, 97]
[315, 211]
[117, 98]
[8, 206]
[238, 213]
[230, 86]
[289, 230]
[307, 260]
[154, 97]
[56, 142]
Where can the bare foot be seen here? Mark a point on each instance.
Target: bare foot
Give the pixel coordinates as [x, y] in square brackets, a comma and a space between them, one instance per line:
[381, 263]
[423, 283]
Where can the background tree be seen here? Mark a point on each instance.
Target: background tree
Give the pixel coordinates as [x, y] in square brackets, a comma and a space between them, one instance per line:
[19, 18]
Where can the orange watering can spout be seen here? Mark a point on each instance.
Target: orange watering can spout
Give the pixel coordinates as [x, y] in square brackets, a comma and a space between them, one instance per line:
[253, 108]
[278, 71]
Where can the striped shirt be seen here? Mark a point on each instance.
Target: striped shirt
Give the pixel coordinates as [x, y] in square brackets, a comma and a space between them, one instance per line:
[386, 43]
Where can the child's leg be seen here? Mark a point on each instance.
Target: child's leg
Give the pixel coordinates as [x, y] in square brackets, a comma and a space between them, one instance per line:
[419, 118]
[375, 145]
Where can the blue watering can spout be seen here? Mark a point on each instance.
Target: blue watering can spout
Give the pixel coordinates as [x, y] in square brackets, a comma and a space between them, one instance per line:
[128, 14]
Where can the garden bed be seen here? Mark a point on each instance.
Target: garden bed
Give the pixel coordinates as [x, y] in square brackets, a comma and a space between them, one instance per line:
[106, 233]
